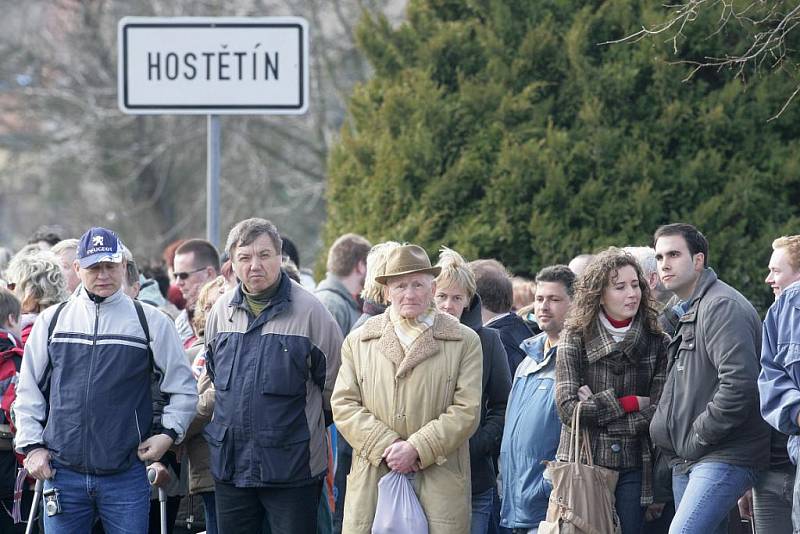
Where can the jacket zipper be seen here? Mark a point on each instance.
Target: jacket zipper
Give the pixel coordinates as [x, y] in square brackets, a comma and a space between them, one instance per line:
[138, 429]
[89, 385]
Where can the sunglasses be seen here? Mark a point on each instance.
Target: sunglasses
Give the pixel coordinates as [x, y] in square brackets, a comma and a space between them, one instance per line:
[184, 276]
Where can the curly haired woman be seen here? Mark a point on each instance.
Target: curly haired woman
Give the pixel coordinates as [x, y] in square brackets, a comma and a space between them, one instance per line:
[612, 357]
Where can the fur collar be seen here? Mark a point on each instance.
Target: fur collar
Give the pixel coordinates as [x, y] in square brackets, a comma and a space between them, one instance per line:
[380, 327]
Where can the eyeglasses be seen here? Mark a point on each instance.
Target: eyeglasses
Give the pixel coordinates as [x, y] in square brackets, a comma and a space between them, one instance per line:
[184, 276]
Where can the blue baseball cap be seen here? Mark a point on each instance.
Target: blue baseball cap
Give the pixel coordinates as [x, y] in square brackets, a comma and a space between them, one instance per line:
[99, 244]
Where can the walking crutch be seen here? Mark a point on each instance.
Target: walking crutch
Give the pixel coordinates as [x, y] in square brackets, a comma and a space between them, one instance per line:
[37, 496]
[162, 499]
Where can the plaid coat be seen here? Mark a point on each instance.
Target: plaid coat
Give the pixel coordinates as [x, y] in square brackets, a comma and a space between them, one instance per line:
[637, 365]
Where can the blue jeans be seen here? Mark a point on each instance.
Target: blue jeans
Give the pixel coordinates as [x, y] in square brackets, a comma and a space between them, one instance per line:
[481, 511]
[121, 501]
[210, 509]
[628, 501]
[772, 502]
[796, 504]
[706, 494]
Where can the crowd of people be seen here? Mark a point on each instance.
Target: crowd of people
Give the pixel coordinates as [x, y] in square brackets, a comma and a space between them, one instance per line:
[232, 376]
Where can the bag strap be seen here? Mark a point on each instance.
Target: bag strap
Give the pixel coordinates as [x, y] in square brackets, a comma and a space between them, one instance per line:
[578, 446]
[574, 445]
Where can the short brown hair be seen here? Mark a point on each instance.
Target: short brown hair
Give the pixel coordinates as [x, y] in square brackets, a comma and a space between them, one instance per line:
[205, 254]
[9, 305]
[245, 232]
[792, 245]
[494, 285]
[346, 253]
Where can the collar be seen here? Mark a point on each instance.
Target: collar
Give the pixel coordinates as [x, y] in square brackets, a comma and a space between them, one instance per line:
[8, 341]
[83, 295]
[444, 327]
[284, 293]
[496, 318]
[707, 279]
[334, 284]
[537, 358]
[601, 343]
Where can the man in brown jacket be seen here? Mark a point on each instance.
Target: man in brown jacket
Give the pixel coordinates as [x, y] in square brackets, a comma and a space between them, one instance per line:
[407, 399]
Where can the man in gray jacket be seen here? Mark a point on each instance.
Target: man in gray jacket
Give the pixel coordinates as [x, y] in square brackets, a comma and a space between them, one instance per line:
[708, 419]
[347, 270]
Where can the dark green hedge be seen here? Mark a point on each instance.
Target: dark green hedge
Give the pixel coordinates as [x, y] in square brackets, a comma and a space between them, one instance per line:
[503, 129]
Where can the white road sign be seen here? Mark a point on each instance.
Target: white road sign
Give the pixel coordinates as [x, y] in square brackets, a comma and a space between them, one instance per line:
[213, 65]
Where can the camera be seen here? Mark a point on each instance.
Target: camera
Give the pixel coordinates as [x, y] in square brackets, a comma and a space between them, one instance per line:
[51, 505]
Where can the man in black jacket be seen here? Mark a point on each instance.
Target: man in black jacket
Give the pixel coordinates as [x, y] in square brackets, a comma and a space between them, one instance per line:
[497, 296]
[708, 421]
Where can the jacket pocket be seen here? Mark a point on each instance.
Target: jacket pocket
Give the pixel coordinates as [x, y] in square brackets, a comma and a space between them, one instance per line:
[224, 359]
[284, 369]
[282, 456]
[220, 448]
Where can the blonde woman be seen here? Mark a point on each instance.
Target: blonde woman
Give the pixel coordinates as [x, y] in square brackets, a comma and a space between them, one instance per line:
[455, 294]
[200, 480]
[36, 279]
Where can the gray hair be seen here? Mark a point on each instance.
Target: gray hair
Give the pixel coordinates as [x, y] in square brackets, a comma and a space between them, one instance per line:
[646, 256]
[376, 265]
[248, 230]
[37, 276]
[65, 245]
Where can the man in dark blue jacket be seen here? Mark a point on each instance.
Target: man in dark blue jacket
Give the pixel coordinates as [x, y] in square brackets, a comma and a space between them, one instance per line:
[273, 355]
[84, 407]
[497, 296]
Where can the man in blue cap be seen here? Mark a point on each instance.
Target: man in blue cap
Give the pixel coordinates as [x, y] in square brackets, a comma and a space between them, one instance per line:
[85, 410]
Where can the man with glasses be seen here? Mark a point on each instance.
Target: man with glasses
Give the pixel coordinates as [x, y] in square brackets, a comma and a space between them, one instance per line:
[196, 262]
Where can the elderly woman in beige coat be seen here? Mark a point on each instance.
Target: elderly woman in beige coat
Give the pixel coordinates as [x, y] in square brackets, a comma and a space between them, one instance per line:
[407, 398]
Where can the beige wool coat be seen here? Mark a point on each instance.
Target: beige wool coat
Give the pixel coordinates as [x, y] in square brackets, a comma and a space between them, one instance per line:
[429, 397]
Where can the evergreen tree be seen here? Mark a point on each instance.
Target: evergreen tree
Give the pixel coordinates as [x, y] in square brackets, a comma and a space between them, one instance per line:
[503, 129]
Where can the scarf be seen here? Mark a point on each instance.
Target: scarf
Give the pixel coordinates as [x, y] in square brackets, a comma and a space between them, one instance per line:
[408, 330]
[617, 332]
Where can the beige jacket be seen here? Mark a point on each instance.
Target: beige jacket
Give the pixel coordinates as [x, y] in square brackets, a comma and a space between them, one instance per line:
[429, 397]
[200, 479]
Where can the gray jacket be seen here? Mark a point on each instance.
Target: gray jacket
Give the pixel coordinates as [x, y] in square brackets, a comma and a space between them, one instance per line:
[338, 300]
[709, 409]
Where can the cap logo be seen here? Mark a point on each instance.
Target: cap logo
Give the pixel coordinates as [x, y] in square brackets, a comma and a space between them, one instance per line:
[97, 241]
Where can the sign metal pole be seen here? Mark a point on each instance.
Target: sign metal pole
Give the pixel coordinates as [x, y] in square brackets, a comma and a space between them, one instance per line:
[212, 180]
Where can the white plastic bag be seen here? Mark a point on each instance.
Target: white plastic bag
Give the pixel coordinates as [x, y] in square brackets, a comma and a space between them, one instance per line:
[398, 510]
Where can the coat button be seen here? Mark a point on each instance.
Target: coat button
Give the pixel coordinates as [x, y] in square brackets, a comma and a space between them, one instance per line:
[615, 447]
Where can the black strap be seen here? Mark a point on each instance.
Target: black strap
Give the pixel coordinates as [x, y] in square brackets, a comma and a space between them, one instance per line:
[44, 384]
[146, 328]
[51, 328]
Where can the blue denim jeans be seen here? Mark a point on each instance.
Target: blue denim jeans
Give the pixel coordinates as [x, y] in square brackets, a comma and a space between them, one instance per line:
[628, 501]
[772, 502]
[481, 511]
[121, 501]
[210, 509]
[796, 504]
[706, 494]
